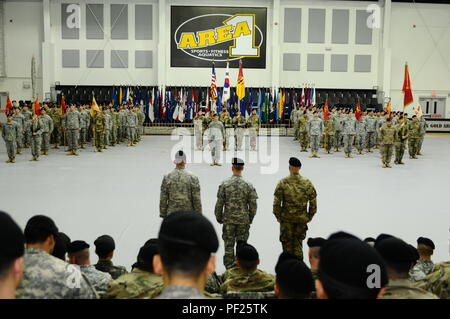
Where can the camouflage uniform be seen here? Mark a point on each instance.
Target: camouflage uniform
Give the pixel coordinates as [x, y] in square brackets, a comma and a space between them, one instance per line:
[110, 268]
[380, 122]
[20, 120]
[131, 122]
[57, 116]
[338, 125]
[140, 122]
[371, 122]
[71, 123]
[180, 190]
[235, 209]
[99, 279]
[361, 131]
[108, 127]
[420, 270]
[239, 124]
[387, 138]
[253, 122]
[213, 283]
[400, 141]
[198, 131]
[36, 131]
[27, 115]
[10, 133]
[413, 138]
[47, 129]
[315, 131]
[181, 292]
[438, 281]
[404, 289]
[122, 126]
[216, 134]
[291, 198]
[47, 277]
[303, 132]
[229, 131]
[423, 130]
[295, 116]
[85, 119]
[348, 132]
[257, 281]
[115, 128]
[99, 130]
[136, 284]
[329, 131]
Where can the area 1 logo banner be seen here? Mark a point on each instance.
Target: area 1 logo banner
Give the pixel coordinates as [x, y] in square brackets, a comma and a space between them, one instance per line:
[201, 35]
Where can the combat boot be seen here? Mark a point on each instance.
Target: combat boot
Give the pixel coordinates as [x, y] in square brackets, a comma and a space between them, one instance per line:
[312, 155]
[129, 144]
[82, 146]
[218, 164]
[19, 151]
[410, 156]
[13, 160]
[384, 165]
[401, 163]
[388, 165]
[36, 158]
[350, 155]
[55, 146]
[75, 153]
[100, 150]
[316, 155]
[8, 161]
[212, 164]
[360, 152]
[396, 162]
[418, 153]
[414, 157]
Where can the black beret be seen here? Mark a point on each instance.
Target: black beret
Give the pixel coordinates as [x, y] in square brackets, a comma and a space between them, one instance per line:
[316, 242]
[345, 260]
[237, 161]
[295, 162]
[395, 250]
[61, 243]
[42, 222]
[246, 251]
[146, 253]
[342, 234]
[11, 238]
[76, 246]
[189, 229]
[105, 243]
[293, 274]
[381, 237]
[425, 241]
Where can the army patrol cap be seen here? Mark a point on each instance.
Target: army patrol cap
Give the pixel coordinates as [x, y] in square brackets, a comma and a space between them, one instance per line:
[316, 242]
[237, 161]
[180, 157]
[41, 223]
[395, 250]
[189, 229]
[293, 275]
[11, 238]
[105, 243]
[425, 241]
[246, 251]
[295, 162]
[76, 246]
[344, 259]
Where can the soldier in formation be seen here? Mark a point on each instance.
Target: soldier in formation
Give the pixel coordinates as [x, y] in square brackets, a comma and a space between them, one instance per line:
[10, 134]
[387, 140]
[215, 139]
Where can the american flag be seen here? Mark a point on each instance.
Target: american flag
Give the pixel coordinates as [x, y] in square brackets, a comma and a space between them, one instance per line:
[213, 84]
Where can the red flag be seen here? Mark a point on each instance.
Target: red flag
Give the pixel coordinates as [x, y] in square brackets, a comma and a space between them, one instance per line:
[37, 107]
[63, 105]
[358, 111]
[8, 105]
[325, 110]
[408, 98]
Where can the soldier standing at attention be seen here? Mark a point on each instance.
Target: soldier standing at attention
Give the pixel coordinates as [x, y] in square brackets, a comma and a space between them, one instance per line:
[27, 115]
[131, 122]
[315, 131]
[303, 131]
[140, 123]
[122, 124]
[198, 130]
[180, 189]
[295, 115]
[229, 131]
[78, 252]
[401, 135]
[371, 121]
[108, 127]
[235, 209]
[104, 248]
[115, 126]
[36, 131]
[47, 129]
[361, 130]
[10, 133]
[294, 206]
[253, 122]
[423, 130]
[329, 131]
[46, 276]
[99, 130]
[348, 132]
[216, 134]
[71, 125]
[20, 120]
[239, 125]
[84, 125]
[387, 138]
[56, 137]
[413, 137]
[338, 118]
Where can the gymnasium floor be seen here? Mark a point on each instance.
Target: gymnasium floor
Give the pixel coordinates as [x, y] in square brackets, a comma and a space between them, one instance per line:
[117, 193]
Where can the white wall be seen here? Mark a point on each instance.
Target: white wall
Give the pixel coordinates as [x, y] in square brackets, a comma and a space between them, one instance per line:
[23, 39]
[426, 48]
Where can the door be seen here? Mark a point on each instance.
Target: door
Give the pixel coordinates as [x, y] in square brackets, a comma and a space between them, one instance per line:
[433, 107]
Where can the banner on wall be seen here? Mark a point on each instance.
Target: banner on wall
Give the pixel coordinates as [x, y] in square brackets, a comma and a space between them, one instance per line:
[201, 35]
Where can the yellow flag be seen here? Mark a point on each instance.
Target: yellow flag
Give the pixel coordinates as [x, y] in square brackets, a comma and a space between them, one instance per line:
[281, 105]
[240, 88]
[120, 96]
[94, 107]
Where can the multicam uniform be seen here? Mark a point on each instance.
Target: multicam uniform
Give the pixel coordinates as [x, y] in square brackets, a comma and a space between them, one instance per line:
[253, 123]
[239, 124]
